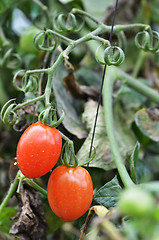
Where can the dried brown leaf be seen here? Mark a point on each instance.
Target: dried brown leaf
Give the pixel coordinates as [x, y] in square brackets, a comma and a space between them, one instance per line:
[31, 224]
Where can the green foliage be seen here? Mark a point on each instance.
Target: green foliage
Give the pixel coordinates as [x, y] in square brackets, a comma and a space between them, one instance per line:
[5, 5]
[133, 160]
[5, 221]
[147, 122]
[71, 106]
[63, 74]
[108, 194]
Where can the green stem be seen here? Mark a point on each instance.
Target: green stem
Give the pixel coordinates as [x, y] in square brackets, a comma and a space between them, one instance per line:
[139, 63]
[106, 28]
[68, 140]
[136, 85]
[20, 105]
[60, 59]
[48, 90]
[108, 114]
[114, 73]
[65, 137]
[151, 186]
[99, 39]
[36, 186]
[119, 28]
[68, 40]
[122, 40]
[79, 11]
[29, 72]
[19, 178]
[10, 192]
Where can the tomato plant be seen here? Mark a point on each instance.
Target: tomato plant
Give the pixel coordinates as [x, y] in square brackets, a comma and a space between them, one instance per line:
[70, 192]
[107, 115]
[38, 150]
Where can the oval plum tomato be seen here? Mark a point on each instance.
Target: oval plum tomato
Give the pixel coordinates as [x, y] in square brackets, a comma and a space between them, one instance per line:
[70, 192]
[38, 150]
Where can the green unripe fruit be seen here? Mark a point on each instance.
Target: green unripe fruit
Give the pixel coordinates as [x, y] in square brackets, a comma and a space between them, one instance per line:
[26, 40]
[136, 202]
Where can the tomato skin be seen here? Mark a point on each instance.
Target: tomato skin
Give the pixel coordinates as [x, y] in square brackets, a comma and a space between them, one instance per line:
[38, 150]
[70, 192]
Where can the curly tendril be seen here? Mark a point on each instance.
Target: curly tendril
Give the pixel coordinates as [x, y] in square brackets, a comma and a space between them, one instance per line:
[112, 55]
[48, 117]
[67, 23]
[28, 83]
[148, 41]
[11, 60]
[8, 115]
[46, 41]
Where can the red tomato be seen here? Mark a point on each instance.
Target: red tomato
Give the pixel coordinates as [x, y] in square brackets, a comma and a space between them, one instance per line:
[38, 150]
[70, 192]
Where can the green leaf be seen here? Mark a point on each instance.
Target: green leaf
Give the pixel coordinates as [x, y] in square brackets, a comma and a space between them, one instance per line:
[133, 160]
[147, 121]
[89, 77]
[108, 195]
[103, 158]
[5, 222]
[131, 98]
[72, 107]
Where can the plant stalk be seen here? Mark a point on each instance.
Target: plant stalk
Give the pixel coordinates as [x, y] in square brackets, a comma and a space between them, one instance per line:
[136, 85]
[10, 193]
[109, 121]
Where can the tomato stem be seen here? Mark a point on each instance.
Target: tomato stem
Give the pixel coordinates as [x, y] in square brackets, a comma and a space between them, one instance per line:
[136, 84]
[109, 121]
[139, 63]
[113, 74]
[21, 105]
[36, 186]
[21, 178]
[68, 158]
[105, 28]
[17, 182]
[10, 193]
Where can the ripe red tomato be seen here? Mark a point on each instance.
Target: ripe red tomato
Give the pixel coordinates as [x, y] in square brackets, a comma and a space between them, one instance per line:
[70, 192]
[38, 150]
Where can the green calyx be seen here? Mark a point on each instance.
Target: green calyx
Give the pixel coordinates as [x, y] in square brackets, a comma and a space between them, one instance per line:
[69, 158]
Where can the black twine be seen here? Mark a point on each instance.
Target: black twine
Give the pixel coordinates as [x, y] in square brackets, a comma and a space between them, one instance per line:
[101, 88]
